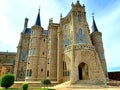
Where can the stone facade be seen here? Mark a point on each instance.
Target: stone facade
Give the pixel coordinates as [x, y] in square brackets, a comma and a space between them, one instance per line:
[66, 51]
[7, 61]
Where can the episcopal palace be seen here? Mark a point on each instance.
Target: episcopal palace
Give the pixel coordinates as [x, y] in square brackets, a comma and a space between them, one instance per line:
[66, 51]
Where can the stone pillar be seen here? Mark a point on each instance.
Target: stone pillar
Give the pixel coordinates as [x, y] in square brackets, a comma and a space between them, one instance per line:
[59, 58]
[73, 69]
[53, 53]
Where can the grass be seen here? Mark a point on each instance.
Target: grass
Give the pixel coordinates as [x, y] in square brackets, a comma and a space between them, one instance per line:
[43, 89]
[28, 89]
[10, 89]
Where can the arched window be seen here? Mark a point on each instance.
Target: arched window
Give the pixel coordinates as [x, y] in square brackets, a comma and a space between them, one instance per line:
[64, 65]
[80, 38]
[48, 60]
[34, 50]
[47, 73]
[30, 73]
[66, 41]
[23, 55]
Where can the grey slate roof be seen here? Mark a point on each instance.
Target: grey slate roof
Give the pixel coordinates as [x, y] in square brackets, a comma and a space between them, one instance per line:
[38, 21]
[27, 31]
[94, 27]
[45, 32]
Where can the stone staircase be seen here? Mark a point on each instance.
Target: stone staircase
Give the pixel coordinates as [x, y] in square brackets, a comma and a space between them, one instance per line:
[80, 84]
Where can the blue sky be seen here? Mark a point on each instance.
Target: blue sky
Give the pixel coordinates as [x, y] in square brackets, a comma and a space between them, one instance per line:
[107, 17]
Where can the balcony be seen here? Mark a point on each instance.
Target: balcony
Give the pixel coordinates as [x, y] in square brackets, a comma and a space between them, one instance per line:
[79, 46]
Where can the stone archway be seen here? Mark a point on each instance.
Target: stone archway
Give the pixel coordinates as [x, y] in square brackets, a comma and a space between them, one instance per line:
[83, 71]
[80, 73]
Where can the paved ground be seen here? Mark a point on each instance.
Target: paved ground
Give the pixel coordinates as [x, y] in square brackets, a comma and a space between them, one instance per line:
[111, 88]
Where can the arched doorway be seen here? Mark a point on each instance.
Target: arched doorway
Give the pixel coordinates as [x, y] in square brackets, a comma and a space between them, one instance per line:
[80, 73]
[83, 71]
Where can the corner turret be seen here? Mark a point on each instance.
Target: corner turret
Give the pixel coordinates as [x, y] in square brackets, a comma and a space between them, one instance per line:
[96, 38]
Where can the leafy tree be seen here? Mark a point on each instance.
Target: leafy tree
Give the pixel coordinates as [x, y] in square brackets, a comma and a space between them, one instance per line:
[45, 82]
[7, 80]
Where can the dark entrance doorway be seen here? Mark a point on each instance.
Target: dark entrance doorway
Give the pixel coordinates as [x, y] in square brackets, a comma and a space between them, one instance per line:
[80, 73]
[83, 71]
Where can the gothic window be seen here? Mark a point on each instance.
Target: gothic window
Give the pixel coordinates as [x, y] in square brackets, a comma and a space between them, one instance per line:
[34, 51]
[21, 72]
[48, 60]
[65, 71]
[30, 73]
[27, 72]
[64, 65]
[79, 18]
[47, 73]
[77, 38]
[42, 53]
[48, 51]
[43, 40]
[41, 69]
[28, 61]
[84, 39]
[23, 55]
[80, 38]
[68, 73]
[66, 41]
[65, 27]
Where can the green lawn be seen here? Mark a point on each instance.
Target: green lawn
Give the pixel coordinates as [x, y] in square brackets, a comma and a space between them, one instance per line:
[28, 89]
[10, 89]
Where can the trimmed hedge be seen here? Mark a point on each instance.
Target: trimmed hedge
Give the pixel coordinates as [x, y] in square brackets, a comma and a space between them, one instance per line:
[25, 86]
[45, 82]
[7, 80]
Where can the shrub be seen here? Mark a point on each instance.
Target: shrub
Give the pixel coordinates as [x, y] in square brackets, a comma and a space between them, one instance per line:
[45, 82]
[25, 86]
[7, 80]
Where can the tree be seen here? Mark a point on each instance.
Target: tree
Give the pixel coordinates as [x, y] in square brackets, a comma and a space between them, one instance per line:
[45, 82]
[7, 80]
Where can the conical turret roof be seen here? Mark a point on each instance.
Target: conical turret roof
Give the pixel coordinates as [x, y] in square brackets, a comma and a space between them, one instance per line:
[38, 20]
[94, 27]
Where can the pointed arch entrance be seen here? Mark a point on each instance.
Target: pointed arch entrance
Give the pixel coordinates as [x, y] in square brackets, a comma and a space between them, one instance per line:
[83, 71]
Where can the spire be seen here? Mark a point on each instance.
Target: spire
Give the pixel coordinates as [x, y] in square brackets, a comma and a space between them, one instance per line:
[38, 21]
[94, 27]
[26, 23]
[78, 3]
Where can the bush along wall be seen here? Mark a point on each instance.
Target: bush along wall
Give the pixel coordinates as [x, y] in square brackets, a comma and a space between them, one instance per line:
[7, 80]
